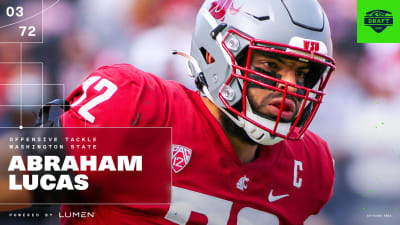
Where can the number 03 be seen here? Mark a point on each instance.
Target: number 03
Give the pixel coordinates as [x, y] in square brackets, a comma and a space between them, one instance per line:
[103, 83]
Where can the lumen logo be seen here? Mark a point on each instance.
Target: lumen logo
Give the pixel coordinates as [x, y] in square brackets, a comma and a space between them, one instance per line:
[378, 20]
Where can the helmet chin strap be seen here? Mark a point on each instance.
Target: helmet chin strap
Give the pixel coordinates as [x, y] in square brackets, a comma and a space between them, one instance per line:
[192, 65]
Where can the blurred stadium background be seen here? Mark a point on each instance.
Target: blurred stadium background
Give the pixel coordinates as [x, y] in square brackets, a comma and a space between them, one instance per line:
[359, 118]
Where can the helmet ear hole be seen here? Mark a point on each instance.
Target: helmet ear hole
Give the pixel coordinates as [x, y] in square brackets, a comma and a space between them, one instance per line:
[207, 56]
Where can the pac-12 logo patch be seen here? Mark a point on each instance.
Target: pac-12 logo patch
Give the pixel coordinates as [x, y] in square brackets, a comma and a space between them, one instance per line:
[180, 157]
[378, 20]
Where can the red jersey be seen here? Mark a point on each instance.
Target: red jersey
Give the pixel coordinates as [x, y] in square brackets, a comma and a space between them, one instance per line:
[284, 185]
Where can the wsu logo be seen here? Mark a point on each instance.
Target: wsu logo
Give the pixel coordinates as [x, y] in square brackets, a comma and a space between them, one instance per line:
[378, 20]
[311, 45]
[242, 183]
[219, 8]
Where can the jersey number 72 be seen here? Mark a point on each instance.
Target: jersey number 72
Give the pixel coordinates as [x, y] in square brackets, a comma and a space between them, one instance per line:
[107, 94]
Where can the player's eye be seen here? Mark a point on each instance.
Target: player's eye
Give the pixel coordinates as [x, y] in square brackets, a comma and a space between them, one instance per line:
[270, 65]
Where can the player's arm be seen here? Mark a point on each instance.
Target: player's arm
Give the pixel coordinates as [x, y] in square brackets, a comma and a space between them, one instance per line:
[108, 97]
[117, 96]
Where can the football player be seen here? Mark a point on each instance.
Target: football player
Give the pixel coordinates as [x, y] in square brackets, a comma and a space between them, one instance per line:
[261, 67]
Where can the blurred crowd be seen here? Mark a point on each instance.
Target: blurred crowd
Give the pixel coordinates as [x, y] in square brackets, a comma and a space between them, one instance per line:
[358, 118]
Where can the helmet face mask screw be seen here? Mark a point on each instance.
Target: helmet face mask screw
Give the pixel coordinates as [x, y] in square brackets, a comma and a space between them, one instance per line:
[228, 93]
[233, 44]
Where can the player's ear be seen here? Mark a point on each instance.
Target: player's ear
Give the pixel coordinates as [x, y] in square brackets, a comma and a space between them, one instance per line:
[209, 58]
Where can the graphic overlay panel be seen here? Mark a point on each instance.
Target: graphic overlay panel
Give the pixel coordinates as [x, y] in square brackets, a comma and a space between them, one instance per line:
[378, 21]
[21, 21]
[90, 165]
[24, 91]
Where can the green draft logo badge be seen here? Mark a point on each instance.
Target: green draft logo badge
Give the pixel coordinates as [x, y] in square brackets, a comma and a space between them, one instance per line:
[378, 20]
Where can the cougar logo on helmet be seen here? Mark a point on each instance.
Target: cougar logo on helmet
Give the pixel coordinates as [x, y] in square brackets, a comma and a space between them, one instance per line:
[219, 8]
